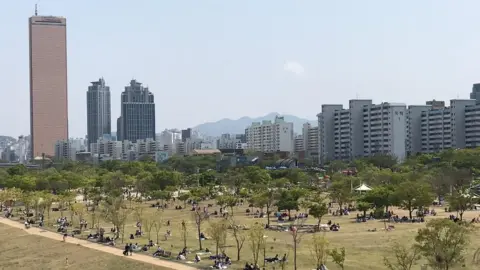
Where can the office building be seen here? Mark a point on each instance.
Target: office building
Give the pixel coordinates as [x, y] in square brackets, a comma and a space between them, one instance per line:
[270, 137]
[137, 120]
[186, 134]
[48, 84]
[98, 111]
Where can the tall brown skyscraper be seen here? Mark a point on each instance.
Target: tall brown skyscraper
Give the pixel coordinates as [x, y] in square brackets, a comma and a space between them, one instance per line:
[48, 83]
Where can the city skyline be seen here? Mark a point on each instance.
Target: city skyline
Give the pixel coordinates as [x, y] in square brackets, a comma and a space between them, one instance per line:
[328, 52]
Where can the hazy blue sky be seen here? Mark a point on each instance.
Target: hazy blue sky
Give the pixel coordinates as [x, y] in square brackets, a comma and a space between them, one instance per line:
[207, 60]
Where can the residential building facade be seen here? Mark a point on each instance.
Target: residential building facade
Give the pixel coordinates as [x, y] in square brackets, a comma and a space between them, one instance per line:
[269, 137]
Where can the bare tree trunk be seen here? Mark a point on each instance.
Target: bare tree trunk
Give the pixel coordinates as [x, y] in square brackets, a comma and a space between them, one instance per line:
[199, 238]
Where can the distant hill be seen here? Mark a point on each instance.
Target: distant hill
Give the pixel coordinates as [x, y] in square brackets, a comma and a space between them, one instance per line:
[238, 126]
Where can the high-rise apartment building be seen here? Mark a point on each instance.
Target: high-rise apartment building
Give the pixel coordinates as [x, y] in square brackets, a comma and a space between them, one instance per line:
[384, 129]
[270, 137]
[98, 111]
[48, 83]
[413, 144]
[446, 128]
[475, 94]
[340, 130]
[363, 129]
[137, 120]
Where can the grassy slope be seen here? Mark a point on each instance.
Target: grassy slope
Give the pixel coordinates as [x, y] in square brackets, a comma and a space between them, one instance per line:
[19, 250]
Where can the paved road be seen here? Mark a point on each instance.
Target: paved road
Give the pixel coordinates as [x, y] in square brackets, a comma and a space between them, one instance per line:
[106, 249]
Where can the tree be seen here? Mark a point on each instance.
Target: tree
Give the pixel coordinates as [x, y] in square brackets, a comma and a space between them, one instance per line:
[405, 257]
[149, 224]
[116, 212]
[460, 201]
[80, 210]
[318, 210]
[288, 199]
[48, 200]
[319, 250]
[199, 217]
[218, 233]
[413, 194]
[380, 197]
[297, 238]
[338, 256]
[340, 191]
[184, 197]
[139, 216]
[184, 233]
[364, 207]
[269, 197]
[239, 236]
[443, 243]
[158, 226]
[256, 239]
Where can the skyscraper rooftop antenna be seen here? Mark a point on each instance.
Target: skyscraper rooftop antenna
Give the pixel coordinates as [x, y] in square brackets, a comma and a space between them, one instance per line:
[36, 9]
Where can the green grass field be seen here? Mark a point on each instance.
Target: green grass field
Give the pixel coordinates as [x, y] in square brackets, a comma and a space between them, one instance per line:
[365, 250]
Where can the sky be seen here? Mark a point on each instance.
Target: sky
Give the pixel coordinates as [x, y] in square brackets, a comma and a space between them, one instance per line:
[205, 60]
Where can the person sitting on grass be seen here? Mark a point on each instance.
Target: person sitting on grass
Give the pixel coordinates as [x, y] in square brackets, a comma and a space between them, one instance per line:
[202, 236]
[181, 257]
[197, 258]
[158, 252]
[145, 248]
[131, 236]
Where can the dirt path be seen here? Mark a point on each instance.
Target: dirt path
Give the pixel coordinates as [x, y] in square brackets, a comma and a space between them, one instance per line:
[87, 244]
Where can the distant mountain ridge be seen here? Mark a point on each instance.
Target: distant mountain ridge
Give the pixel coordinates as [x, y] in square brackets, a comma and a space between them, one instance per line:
[238, 126]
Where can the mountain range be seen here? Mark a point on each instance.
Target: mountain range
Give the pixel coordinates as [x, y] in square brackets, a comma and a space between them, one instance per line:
[238, 126]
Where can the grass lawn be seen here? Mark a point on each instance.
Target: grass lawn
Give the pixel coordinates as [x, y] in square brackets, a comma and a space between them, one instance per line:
[20, 250]
[364, 250]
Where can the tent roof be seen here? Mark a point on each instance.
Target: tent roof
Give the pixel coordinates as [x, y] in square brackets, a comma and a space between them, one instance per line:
[363, 187]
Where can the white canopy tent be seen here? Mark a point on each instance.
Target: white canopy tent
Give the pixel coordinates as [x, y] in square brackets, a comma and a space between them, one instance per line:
[362, 188]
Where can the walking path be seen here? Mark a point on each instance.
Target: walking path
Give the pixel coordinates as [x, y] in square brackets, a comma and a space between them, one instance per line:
[87, 244]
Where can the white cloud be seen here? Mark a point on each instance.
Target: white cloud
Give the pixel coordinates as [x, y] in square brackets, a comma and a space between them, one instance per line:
[294, 67]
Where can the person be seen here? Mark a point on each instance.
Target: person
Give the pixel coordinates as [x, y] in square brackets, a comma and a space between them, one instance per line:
[64, 237]
[27, 225]
[130, 249]
[197, 258]
[125, 252]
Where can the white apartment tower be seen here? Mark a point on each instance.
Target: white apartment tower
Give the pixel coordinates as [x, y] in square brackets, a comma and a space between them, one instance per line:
[341, 131]
[413, 143]
[384, 129]
[447, 127]
[270, 137]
